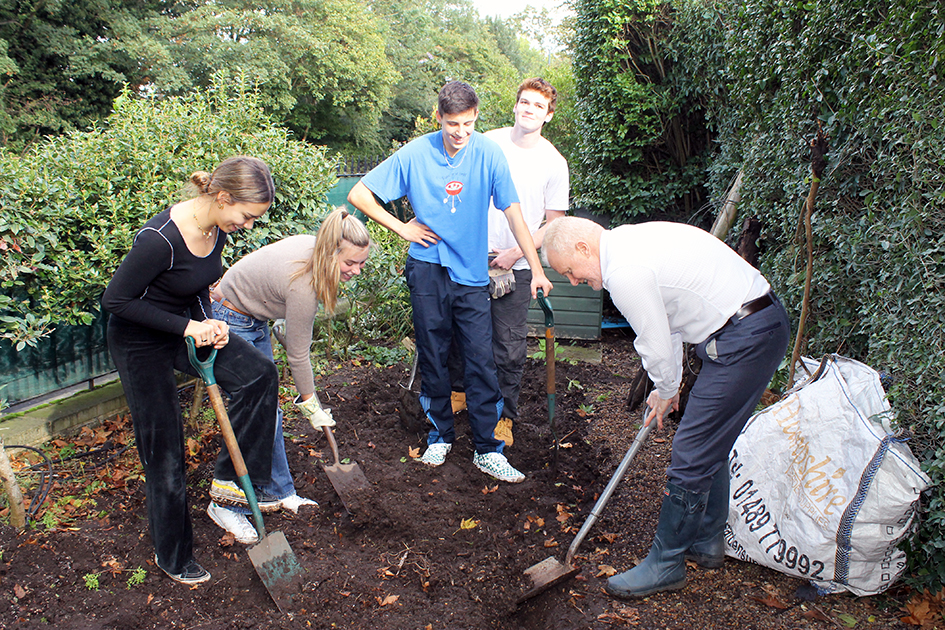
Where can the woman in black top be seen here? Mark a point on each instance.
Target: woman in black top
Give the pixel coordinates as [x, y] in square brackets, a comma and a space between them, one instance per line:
[158, 296]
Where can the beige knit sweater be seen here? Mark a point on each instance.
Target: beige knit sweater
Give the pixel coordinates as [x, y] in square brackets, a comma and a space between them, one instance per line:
[258, 284]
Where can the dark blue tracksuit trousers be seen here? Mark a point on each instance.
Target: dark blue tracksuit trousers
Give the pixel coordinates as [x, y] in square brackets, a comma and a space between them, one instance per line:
[443, 308]
[738, 361]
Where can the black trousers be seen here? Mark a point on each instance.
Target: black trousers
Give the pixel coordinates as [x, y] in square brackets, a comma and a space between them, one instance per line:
[146, 360]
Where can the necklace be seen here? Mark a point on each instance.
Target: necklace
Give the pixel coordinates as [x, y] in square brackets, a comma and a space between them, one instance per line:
[206, 233]
[458, 164]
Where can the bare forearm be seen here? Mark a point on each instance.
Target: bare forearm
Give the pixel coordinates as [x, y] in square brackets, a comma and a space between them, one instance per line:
[363, 199]
[523, 237]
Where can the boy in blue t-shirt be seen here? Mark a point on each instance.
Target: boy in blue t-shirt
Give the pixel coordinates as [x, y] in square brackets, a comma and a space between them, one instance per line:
[449, 176]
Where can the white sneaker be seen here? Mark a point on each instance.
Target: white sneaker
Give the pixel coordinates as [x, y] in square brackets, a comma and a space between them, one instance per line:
[496, 465]
[233, 522]
[293, 502]
[435, 454]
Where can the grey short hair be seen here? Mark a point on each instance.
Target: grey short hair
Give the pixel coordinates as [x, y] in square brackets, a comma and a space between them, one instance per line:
[563, 234]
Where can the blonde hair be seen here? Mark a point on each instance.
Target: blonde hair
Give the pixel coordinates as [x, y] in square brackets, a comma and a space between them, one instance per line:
[338, 228]
[246, 179]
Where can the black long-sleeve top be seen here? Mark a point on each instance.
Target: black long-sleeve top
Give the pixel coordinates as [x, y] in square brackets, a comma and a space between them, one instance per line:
[160, 284]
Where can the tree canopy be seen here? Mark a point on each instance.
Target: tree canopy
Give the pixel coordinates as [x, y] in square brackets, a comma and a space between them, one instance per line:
[350, 74]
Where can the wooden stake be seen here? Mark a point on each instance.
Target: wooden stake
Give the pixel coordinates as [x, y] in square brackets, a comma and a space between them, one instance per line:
[14, 495]
[726, 216]
[817, 163]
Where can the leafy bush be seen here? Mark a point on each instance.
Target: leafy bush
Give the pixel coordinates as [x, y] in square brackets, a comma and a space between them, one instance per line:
[379, 296]
[71, 205]
[643, 141]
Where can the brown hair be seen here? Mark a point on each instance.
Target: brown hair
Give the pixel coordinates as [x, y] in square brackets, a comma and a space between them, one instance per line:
[537, 84]
[246, 179]
[337, 228]
[456, 97]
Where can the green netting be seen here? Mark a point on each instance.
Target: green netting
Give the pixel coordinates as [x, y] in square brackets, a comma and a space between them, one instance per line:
[70, 355]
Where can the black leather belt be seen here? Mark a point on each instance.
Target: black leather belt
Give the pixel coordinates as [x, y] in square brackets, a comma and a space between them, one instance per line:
[753, 306]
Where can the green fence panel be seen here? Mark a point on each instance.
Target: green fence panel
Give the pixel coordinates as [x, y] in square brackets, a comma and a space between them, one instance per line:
[578, 310]
[70, 355]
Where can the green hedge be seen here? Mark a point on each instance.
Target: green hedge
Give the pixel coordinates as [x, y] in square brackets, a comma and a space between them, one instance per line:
[70, 206]
[643, 144]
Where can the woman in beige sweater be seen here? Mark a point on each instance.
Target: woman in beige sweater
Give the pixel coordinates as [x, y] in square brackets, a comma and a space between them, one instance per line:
[285, 280]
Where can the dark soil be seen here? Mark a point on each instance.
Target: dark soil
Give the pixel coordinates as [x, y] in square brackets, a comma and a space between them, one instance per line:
[437, 548]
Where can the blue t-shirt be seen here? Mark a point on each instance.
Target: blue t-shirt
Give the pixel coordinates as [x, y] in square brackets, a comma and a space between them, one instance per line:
[451, 197]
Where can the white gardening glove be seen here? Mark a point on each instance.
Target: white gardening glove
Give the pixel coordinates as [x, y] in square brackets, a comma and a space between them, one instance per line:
[312, 410]
[501, 282]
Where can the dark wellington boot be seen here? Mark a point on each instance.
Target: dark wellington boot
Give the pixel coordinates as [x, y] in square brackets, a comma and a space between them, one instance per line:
[664, 568]
[708, 551]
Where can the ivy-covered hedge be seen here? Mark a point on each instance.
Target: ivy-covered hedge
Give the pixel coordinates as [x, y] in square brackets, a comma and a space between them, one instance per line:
[643, 140]
[70, 206]
[871, 74]
[768, 73]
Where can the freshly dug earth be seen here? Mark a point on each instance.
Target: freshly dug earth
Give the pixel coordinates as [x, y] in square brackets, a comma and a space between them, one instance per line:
[437, 548]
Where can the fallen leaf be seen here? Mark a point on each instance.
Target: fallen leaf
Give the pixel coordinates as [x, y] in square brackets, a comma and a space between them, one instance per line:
[605, 570]
[488, 490]
[19, 591]
[609, 537]
[922, 609]
[468, 523]
[848, 620]
[413, 452]
[771, 601]
[387, 601]
[566, 445]
[113, 567]
[551, 543]
[816, 614]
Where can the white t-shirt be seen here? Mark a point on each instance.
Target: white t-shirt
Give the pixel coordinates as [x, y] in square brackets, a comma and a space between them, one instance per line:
[541, 179]
[674, 283]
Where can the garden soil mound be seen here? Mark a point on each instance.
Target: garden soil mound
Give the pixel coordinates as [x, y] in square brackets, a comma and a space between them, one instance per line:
[442, 548]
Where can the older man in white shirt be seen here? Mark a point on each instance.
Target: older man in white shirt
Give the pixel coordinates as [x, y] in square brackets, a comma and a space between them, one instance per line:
[678, 284]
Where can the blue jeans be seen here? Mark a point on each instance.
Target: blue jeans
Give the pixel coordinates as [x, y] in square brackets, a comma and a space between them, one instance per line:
[256, 332]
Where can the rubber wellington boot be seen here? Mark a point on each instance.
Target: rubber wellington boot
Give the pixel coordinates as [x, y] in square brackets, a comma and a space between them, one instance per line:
[664, 568]
[708, 551]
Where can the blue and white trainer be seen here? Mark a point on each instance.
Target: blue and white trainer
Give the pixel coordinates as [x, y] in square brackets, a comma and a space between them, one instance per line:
[435, 454]
[496, 465]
